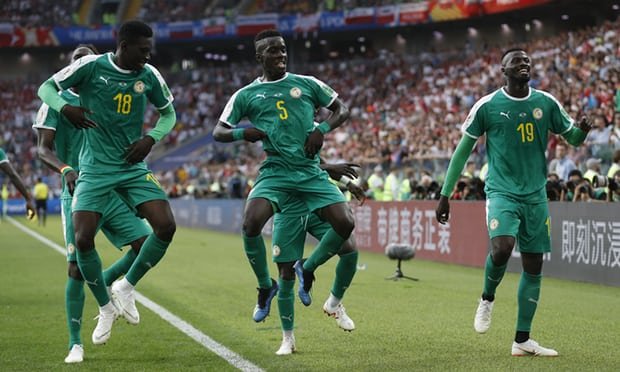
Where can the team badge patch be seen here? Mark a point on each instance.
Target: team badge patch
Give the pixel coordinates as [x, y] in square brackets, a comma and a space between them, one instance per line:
[70, 248]
[493, 224]
[138, 87]
[275, 251]
[295, 92]
[537, 113]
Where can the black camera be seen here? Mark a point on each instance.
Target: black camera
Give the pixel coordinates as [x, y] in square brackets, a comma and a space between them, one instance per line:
[602, 181]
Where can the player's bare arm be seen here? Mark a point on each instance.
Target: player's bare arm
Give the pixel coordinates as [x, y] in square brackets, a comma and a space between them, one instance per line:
[19, 184]
[339, 114]
[337, 171]
[45, 151]
[225, 133]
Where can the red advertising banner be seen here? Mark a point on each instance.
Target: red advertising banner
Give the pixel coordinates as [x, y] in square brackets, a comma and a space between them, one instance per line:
[253, 24]
[413, 13]
[498, 6]
[463, 241]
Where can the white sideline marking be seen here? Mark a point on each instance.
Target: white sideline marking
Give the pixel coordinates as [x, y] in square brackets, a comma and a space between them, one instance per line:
[222, 351]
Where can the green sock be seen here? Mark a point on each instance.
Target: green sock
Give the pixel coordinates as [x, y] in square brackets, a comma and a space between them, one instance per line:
[329, 245]
[151, 252]
[528, 296]
[345, 270]
[492, 276]
[74, 303]
[257, 255]
[90, 266]
[120, 267]
[286, 304]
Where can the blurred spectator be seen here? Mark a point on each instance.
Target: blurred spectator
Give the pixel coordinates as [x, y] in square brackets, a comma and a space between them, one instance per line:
[561, 164]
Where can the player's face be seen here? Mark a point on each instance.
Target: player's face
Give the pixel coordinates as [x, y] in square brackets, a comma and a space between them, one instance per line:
[271, 54]
[137, 53]
[516, 66]
[80, 52]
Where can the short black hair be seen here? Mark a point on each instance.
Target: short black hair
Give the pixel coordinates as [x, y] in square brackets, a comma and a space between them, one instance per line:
[510, 51]
[132, 30]
[575, 172]
[89, 46]
[267, 33]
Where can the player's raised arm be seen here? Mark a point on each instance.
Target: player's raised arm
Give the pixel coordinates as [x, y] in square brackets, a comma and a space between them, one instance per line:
[577, 134]
[339, 114]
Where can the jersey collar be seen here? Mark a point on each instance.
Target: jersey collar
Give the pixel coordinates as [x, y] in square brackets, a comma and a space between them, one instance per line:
[111, 60]
[258, 79]
[529, 93]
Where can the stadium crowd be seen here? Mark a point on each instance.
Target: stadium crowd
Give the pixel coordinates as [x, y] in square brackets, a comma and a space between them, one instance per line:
[406, 113]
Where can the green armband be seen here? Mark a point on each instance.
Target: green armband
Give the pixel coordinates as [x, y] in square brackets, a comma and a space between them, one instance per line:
[167, 120]
[237, 134]
[324, 127]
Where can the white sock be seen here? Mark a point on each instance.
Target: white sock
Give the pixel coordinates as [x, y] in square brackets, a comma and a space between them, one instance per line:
[286, 334]
[124, 285]
[333, 301]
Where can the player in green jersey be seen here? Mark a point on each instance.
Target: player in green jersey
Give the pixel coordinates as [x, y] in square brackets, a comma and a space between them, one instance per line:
[59, 143]
[289, 236]
[8, 169]
[114, 90]
[516, 120]
[281, 106]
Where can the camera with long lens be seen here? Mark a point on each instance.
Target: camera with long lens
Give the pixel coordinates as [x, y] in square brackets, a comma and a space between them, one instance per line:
[602, 181]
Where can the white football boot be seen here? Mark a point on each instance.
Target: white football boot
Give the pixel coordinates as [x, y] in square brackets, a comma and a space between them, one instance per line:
[482, 321]
[288, 346]
[76, 354]
[531, 348]
[338, 312]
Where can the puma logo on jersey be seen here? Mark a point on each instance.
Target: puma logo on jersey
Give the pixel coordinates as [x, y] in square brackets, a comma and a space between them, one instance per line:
[261, 95]
[104, 79]
[506, 114]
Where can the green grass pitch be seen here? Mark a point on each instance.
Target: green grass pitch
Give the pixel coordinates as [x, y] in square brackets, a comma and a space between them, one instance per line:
[205, 280]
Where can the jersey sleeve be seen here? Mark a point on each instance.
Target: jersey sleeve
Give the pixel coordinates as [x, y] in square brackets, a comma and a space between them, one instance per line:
[322, 93]
[76, 73]
[561, 122]
[235, 109]
[473, 126]
[46, 118]
[159, 95]
[3, 158]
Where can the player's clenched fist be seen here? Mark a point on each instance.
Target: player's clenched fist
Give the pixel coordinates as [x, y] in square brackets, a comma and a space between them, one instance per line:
[137, 151]
[442, 213]
[77, 116]
[253, 134]
[314, 143]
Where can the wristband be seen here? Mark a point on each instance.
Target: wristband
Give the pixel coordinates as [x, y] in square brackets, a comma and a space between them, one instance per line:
[237, 134]
[65, 169]
[324, 127]
[345, 180]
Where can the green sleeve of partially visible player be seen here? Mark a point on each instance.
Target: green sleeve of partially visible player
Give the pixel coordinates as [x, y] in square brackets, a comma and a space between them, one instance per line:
[167, 120]
[3, 157]
[323, 94]
[235, 109]
[76, 73]
[457, 163]
[46, 118]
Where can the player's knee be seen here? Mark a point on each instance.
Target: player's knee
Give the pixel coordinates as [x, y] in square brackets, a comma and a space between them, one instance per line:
[74, 271]
[287, 272]
[251, 226]
[84, 242]
[166, 232]
[501, 250]
[346, 226]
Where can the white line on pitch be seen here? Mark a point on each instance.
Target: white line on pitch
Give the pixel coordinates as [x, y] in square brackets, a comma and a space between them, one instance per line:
[222, 351]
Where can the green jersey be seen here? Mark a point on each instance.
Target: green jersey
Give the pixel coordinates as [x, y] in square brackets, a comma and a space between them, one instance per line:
[117, 99]
[283, 109]
[67, 139]
[3, 158]
[516, 137]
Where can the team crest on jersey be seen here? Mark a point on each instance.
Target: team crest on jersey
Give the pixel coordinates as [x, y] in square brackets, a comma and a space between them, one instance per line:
[275, 251]
[537, 113]
[70, 248]
[295, 92]
[493, 224]
[138, 87]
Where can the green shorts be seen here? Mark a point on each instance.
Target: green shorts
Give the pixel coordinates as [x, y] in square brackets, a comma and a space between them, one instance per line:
[528, 223]
[289, 235]
[134, 187]
[313, 190]
[118, 222]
